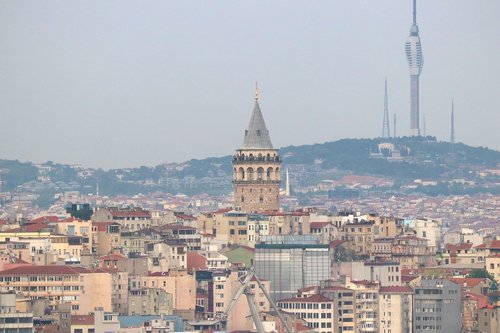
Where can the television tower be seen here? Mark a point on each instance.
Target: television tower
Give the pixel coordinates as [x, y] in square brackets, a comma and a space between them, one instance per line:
[452, 136]
[415, 58]
[386, 131]
[394, 126]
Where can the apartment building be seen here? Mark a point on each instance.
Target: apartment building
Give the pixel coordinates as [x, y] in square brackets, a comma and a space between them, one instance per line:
[366, 305]
[11, 320]
[316, 310]
[492, 265]
[82, 288]
[437, 306]
[359, 235]
[129, 219]
[395, 309]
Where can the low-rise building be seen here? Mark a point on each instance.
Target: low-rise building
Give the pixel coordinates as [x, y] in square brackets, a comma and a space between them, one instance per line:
[11, 320]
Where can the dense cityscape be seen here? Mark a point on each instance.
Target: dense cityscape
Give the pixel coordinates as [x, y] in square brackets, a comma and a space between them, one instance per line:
[172, 263]
[387, 235]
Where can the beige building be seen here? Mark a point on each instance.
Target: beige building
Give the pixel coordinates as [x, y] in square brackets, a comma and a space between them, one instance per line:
[316, 310]
[129, 219]
[395, 309]
[489, 319]
[178, 283]
[12, 320]
[430, 229]
[106, 237]
[493, 266]
[82, 288]
[74, 227]
[150, 301]
[359, 235]
[366, 305]
[82, 324]
[410, 251]
[257, 168]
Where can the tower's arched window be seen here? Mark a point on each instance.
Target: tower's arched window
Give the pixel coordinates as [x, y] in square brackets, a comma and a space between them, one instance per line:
[242, 198]
[261, 199]
[277, 174]
[260, 173]
[269, 173]
[241, 173]
[250, 173]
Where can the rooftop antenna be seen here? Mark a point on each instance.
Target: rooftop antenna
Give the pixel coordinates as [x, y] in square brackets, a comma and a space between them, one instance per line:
[394, 131]
[386, 131]
[452, 135]
[425, 132]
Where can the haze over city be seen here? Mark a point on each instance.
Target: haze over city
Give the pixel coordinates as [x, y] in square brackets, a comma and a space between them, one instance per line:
[122, 84]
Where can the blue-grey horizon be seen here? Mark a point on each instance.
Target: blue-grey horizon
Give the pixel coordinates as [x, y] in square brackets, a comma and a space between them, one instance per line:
[124, 83]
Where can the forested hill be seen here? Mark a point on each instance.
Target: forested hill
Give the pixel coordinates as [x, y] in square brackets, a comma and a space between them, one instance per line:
[401, 159]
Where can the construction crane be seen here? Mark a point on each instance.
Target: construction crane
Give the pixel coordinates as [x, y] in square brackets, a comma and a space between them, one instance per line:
[247, 291]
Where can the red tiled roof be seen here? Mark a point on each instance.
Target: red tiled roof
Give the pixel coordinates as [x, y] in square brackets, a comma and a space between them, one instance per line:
[299, 326]
[184, 216]
[494, 245]
[408, 278]
[71, 219]
[307, 289]
[101, 226]
[310, 299]
[467, 282]
[337, 288]
[221, 211]
[196, 261]
[335, 243]
[113, 257]
[35, 227]
[456, 247]
[45, 219]
[44, 270]
[318, 225]
[129, 212]
[396, 289]
[82, 319]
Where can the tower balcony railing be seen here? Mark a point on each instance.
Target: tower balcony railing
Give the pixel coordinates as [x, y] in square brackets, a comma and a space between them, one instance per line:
[256, 181]
[257, 160]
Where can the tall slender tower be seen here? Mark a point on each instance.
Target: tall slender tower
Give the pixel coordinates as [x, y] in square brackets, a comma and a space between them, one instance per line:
[452, 135]
[424, 126]
[256, 167]
[415, 58]
[386, 131]
[394, 130]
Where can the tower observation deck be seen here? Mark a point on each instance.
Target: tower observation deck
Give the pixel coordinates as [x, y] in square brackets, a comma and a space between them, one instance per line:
[413, 48]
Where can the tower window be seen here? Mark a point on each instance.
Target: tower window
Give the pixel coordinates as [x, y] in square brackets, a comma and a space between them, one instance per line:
[261, 199]
[258, 132]
[242, 198]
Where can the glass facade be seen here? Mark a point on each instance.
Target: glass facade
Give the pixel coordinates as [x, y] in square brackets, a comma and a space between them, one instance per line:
[291, 263]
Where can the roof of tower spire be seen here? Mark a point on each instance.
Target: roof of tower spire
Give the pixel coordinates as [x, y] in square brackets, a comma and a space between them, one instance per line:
[256, 134]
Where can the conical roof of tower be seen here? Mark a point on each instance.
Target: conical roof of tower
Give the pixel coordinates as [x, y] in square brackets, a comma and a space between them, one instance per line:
[256, 134]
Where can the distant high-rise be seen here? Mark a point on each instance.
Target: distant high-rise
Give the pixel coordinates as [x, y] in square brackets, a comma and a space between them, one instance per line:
[386, 131]
[452, 135]
[257, 167]
[415, 58]
[291, 262]
[394, 128]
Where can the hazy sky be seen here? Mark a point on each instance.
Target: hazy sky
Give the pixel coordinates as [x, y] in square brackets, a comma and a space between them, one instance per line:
[130, 83]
